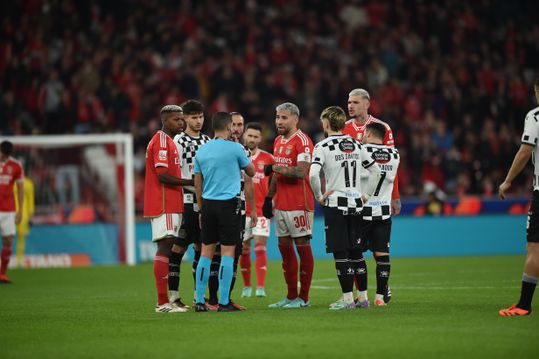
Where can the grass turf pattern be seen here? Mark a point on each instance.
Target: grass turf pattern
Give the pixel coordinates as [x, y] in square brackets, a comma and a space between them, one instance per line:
[441, 307]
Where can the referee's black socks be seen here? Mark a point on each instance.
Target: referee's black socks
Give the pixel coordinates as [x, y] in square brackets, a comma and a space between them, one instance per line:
[529, 283]
[383, 268]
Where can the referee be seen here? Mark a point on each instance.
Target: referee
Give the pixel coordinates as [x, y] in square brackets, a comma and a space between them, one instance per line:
[218, 166]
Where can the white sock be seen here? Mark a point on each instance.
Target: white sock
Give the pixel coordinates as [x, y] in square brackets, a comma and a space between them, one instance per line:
[173, 295]
[348, 297]
[379, 296]
[362, 295]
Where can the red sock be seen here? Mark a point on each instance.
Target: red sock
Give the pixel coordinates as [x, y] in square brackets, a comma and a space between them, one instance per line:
[306, 267]
[261, 262]
[160, 272]
[4, 258]
[290, 269]
[245, 264]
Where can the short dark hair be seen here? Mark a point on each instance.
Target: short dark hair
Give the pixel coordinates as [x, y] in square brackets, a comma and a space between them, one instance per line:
[377, 129]
[191, 107]
[6, 148]
[220, 120]
[254, 126]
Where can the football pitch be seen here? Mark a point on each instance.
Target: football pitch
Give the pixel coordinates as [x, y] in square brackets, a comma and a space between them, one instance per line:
[441, 307]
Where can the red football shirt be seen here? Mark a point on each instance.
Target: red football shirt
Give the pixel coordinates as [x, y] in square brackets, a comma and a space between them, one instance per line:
[260, 180]
[160, 198]
[356, 131]
[293, 194]
[10, 172]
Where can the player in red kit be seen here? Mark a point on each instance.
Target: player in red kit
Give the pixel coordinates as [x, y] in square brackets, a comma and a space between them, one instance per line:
[10, 172]
[358, 108]
[260, 232]
[163, 198]
[294, 204]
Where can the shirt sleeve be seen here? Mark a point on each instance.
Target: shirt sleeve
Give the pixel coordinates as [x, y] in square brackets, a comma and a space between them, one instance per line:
[304, 152]
[531, 130]
[160, 155]
[318, 156]
[388, 138]
[366, 159]
[243, 161]
[196, 169]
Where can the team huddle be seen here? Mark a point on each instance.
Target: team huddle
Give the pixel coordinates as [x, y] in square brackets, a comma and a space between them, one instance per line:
[220, 194]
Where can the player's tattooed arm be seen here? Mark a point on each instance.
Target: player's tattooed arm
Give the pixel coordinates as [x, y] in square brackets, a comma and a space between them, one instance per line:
[272, 188]
[174, 181]
[300, 171]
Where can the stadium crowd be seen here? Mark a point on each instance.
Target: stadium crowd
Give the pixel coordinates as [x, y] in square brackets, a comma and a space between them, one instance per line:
[452, 78]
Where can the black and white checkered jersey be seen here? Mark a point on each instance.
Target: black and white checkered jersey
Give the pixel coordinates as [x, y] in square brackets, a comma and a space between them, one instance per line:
[379, 205]
[341, 158]
[530, 137]
[188, 147]
[242, 186]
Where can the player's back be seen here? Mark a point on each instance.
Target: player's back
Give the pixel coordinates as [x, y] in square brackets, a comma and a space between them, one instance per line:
[293, 194]
[379, 204]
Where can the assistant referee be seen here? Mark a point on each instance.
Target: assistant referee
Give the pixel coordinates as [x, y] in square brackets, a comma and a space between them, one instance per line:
[218, 166]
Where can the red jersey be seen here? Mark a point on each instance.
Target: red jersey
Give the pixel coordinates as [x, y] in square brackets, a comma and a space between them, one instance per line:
[356, 131]
[293, 194]
[260, 180]
[10, 172]
[160, 198]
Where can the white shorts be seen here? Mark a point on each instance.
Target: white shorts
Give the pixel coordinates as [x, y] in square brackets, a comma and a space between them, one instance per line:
[166, 225]
[262, 228]
[293, 223]
[7, 224]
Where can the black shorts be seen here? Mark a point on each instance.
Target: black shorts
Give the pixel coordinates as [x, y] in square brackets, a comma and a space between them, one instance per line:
[375, 235]
[342, 231]
[221, 222]
[532, 227]
[190, 229]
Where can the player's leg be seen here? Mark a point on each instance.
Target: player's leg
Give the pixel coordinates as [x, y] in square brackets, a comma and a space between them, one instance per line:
[245, 264]
[381, 234]
[174, 261]
[288, 254]
[531, 265]
[261, 264]
[21, 239]
[213, 284]
[362, 230]
[7, 228]
[302, 238]
[237, 254]
[210, 238]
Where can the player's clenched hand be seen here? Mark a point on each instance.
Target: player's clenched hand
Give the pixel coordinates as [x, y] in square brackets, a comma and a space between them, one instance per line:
[322, 199]
[268, 169]
[504, 187]
[395, 207]
[254, 218]
[267, 208]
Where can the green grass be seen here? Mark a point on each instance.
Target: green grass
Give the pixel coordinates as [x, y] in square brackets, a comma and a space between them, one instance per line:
[443, 307]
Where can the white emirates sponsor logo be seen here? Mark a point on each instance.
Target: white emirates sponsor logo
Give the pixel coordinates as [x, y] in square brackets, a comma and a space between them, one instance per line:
[283, 160]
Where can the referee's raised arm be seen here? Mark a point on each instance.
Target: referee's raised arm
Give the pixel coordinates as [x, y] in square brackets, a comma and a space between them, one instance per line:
[218, 165]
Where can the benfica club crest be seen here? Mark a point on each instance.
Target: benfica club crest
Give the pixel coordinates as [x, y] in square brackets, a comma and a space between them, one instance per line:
[260, 166]
[9, 170]
[359, 136]
[288, 150]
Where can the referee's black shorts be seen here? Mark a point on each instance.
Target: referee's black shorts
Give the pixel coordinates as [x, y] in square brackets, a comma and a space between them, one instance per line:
[342, 231]
[190, 229]
[375, 235]
[532, 227]
[221, 221]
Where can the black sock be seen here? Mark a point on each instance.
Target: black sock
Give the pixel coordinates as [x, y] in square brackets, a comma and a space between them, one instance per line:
[234, 274]
[213, 283]
[345, 272]
[383, 268]
[174, 261]
[359, 265]
[526, 293]
[195, 263]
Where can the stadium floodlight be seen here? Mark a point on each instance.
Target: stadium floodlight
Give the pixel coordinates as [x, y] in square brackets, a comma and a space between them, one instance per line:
[93, 170]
